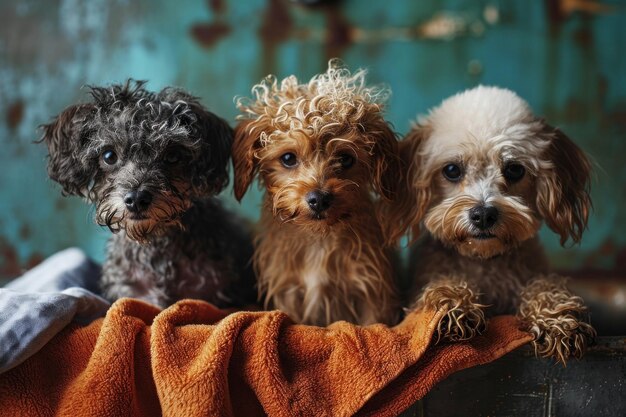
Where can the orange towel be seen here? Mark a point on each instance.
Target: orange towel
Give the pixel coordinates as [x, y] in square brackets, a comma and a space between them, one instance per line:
[194, 360]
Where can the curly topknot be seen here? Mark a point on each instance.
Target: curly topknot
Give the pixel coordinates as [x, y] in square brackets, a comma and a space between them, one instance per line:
[334, 98]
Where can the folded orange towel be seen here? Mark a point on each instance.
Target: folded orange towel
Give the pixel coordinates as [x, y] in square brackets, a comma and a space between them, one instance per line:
[194, 360]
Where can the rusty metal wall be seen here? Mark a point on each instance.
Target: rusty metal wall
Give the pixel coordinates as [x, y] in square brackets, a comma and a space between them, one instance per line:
[566, 57]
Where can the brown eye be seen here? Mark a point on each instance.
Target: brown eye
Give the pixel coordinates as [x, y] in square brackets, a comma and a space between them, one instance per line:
[514, 172]
[346, 160]
[289, 160]
[172, 157]
[109, 157]
[452, 172]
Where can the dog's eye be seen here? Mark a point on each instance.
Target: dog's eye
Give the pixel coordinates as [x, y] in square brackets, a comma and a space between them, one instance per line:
[171, 157]
[109, 157]
[452, 172]
[514, 172]
[289, 160]
[346, 160]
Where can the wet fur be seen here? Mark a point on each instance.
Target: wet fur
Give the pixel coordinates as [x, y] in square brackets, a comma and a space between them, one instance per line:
[209, 258]
[186, 245]
[481, 130]
[336, 268]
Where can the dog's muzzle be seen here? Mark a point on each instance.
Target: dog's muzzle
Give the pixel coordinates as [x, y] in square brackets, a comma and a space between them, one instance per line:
[483, 218]
[319, 201]
[137, 201]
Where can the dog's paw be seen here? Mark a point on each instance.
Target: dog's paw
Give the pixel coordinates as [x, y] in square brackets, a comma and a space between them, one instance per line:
[464, 317]
[561, 337]
[556, 318]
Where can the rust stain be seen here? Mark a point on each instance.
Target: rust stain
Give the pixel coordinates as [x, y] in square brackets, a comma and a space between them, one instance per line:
[218, 6]
[60, 204]
[609, 251]
[15, 113]
[25, 232]
[312, 4]
[568, 7]
[618, 117]
[575, 110]
[340, 33]
[276, 27]
[607, 248]
[34, 260]
[554, 13]
[9, 260]
[277, 23]
[558, 11]
[584, 36]
[208, 34]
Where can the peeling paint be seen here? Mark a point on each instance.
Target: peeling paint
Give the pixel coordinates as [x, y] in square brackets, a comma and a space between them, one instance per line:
[208, 35]
[491, 14]
[559, 11]
[340, 33]
[561, 55]
[568, 7]
[443, 26]
[275, 28]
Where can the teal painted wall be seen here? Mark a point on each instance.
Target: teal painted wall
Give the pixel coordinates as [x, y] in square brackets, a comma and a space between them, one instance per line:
[565, 57]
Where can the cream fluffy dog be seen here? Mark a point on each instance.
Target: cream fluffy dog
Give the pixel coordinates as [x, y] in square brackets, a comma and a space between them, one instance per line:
[483, 173]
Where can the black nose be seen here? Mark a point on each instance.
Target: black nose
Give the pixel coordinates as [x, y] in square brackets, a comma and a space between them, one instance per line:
[319, 201]
[483, 217]
[137, 201]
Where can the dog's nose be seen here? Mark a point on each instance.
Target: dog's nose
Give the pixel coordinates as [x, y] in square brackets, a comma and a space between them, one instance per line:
[483, 217]
[319, 201]
[137, 201]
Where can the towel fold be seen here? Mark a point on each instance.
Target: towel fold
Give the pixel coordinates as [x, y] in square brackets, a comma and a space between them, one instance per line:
[194, 360]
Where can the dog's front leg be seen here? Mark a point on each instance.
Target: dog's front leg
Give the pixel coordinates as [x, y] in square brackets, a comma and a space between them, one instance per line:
[464, 317]
[556, 317]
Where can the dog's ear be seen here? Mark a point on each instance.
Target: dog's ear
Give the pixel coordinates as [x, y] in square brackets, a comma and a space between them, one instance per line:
[216, 137]
[387, 172]
[214, 134]
[66, 137]
[414, 194]
[244, 159]
[563, 192]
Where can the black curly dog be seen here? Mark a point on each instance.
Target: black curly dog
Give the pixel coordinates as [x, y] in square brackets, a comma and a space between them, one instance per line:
[151, 163]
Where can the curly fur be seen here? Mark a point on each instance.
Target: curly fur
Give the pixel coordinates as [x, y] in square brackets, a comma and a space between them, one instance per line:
[556, 317]
[481, 131]
[333, 266]
[168, 146]
[464, 316]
